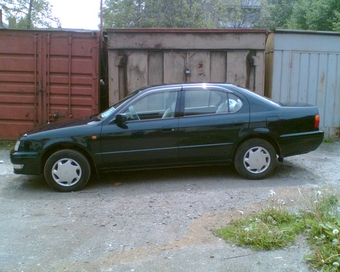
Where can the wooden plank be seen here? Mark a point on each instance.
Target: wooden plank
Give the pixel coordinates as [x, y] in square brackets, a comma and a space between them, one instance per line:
[199, 66]
[155, 68]
[218, 61]
[259, 72]
[137, 70]
[113, 77]
[190, 41]
[174, 66]
[237, 67]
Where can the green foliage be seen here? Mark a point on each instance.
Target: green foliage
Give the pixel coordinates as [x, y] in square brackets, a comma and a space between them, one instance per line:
[275, 228]
[7, 144]
[154, 13]
[322, 223]
[277, 14]
[270, 229]
[270, 14]
[239, 13]
[315, 15]
[39, 15]
[336, 23]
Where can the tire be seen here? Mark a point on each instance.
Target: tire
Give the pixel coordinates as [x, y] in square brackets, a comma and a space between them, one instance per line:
[67, 170]
[255, 159]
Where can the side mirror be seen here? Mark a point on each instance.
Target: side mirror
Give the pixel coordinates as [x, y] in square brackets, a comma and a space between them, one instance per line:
[121, 118]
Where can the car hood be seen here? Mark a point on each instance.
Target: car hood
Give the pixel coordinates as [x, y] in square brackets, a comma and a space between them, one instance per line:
[58, 125]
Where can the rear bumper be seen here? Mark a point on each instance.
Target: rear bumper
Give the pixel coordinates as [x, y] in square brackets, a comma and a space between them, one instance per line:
[27, 163]
[300, 143]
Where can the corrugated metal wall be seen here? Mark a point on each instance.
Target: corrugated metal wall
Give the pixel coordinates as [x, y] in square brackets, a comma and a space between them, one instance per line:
[46, 76]
[305, 66]
[141, 57]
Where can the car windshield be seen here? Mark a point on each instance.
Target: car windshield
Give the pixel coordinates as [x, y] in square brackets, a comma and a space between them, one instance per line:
[110, 110]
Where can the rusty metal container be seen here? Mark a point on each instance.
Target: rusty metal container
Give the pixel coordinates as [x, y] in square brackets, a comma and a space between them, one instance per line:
[141, 57]
[304, 66]
[46, 76]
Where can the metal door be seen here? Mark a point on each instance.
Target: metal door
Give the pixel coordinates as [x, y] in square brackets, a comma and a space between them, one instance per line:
[46, 76]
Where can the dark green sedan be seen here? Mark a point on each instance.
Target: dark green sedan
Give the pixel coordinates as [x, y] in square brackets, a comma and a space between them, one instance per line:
[170, 126]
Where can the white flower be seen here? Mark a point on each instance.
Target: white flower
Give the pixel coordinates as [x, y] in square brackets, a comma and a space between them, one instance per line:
[318, 193]
[272, 193]
[335, 231]
[281, 201]
[241, 212]
[336, 264]
[246, 229]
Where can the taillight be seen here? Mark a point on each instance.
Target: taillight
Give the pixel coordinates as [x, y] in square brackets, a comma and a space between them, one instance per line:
[317, 121]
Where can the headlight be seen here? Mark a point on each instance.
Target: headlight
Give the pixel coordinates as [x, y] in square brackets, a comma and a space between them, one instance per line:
[17, 144]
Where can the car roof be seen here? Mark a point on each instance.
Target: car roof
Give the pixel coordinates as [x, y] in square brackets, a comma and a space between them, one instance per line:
[183, 85]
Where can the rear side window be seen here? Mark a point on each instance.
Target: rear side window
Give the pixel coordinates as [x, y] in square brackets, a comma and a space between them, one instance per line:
[200, 101]
[231, 104]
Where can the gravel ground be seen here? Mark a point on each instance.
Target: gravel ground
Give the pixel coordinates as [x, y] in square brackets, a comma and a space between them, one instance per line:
[158, 220]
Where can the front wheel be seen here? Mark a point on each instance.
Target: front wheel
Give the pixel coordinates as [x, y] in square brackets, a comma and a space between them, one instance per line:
[255, 159]
[67, 170]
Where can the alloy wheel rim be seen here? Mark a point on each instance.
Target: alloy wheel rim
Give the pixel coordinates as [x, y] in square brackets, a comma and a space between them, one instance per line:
[66, 172]
[257, 160]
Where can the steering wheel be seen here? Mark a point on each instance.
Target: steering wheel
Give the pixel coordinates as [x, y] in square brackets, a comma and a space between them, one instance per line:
[134, 115]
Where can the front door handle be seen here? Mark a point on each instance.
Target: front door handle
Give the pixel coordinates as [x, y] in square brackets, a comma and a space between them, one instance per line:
[238, 123]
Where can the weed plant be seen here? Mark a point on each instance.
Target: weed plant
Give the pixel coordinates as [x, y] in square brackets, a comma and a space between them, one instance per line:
[274, 227]
[7, 144]
[322, 224]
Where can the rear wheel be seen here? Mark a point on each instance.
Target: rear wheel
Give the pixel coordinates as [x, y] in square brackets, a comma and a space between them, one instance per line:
[67, 170]
[255, 159]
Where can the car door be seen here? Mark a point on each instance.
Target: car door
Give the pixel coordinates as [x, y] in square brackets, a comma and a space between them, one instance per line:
[212, 121]
[148, 137]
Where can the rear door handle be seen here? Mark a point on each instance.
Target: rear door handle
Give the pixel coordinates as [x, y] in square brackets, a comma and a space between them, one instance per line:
[165, 129]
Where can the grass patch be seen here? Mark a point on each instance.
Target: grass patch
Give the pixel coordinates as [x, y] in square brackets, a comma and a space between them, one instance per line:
[275, 227]
[322, 224]
[328, 141]
[7, 144]
[270, 229]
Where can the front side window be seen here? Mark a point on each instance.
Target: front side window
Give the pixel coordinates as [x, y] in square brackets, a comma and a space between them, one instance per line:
[154, 105]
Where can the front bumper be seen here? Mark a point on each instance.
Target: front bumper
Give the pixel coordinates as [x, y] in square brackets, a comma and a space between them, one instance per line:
[300, 143]
[28, 163]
